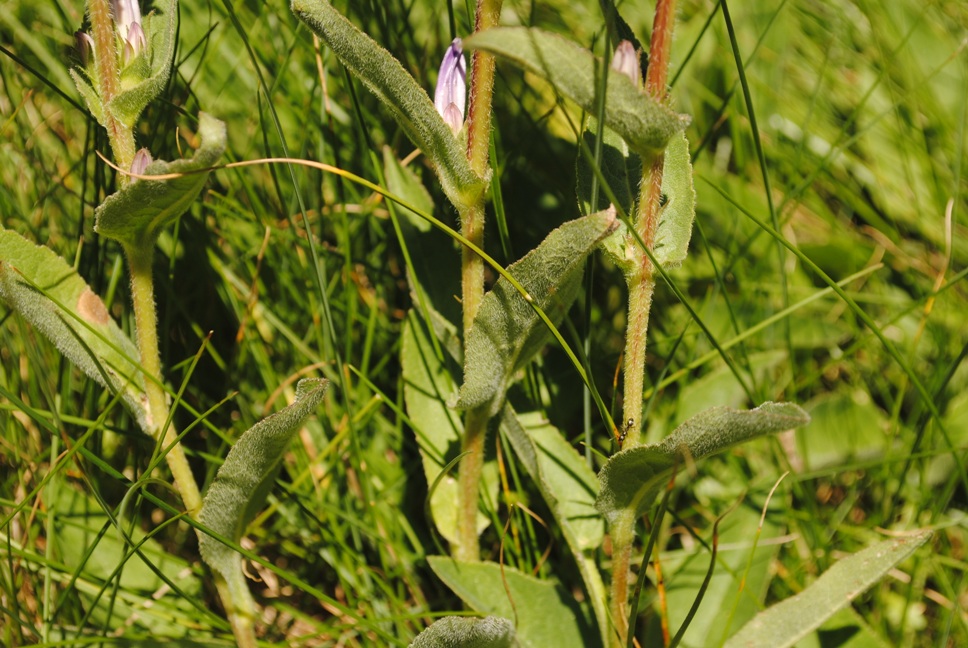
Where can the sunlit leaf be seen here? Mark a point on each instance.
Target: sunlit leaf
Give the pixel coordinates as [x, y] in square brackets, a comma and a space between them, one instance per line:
[467, 632]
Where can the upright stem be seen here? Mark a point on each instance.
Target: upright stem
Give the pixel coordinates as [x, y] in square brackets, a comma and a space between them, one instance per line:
[104, 36]
[641, 284]
[472, 278]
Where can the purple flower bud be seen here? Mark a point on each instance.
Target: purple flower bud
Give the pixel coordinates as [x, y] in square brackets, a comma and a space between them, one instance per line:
[126, 13]
[626, 61]
[135, 43]
[140, 162]
[85, 46]
[450, 97]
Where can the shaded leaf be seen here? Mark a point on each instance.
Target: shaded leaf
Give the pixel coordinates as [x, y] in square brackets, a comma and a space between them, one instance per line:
[675, 220]
[621, 169]
[136, 215]
[643, 122]
[569, 487]
[507, 332]
[48, 293]
[243, 482]
[427, 385]
[544, 613]
[467, 632]
[794, 618]
[632, 477]
[410, 104]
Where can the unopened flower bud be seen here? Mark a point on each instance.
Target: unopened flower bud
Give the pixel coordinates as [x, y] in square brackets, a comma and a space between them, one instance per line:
[626, 61]
[85, 46]
[450, 97]
[135, 43]
[140, 162]
[126, 13]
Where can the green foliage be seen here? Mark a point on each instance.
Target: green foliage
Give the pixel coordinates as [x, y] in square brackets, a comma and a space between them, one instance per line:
[136, 215]
[243, 482]
[785, 623]
[632, 477]
[467, 632]
[542, 612]
[507, 331]
[645, 124]
[48, 293]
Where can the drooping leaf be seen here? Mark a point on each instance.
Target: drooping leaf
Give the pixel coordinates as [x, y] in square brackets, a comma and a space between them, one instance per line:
[795, 617]
[410, 104]
[632, 477]
[136, 215]
[507, 332]
[643, 122]
[467, 632]
[427, 386]
[621, 168]
[49, 294]
[674, 229]
[243, 482]
[568, 486]
[543, 612]
[142, 87]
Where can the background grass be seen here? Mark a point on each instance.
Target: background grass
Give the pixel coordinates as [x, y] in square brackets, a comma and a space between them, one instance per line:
[859, 109]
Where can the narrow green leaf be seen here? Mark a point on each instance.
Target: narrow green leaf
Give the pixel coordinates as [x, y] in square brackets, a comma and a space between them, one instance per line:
[467, 632]
[427, 386]
[136, 214]
[507, 332]
[675, 220]
[543, 612]
[621, 168]
[410, 104]
[643, 122]
[794, 618]
[49, 294]
[631, 478]
[89, 94]
[569, 487]
[139, 90]
[243, 482]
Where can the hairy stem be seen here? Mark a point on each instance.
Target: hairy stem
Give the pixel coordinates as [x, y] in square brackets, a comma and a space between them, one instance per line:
[472, 277]
[108, 80]
[641, 283]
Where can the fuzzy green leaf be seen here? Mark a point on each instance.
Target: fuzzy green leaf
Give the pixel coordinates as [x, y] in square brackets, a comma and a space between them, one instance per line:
[145, 79]
[631, 478]
[507, 332]
[543, 612]
[49, 294]
[136, 215]
[427, 385]
[675, 220]
[792, 619]
[643, 122]
[467, 632]
[621, 169]
[243, 482]
[410, 104]
[89, 94]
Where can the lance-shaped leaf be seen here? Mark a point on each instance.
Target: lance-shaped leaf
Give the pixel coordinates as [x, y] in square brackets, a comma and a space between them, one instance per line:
[631, 478]
[675, 220]
[467, 632]
[49, 294]
[543, 612]
[792, 619]
[244, 480]
[136, 215]
[507, 332]
[568, 486]
[643, 122]
[410, 104]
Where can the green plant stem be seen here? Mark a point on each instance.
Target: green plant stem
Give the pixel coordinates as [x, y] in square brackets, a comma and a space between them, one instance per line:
[108, 79]
[472, 276]
[641, 284]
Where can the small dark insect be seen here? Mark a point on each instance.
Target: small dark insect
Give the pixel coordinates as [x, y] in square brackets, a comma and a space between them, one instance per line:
[625, 431]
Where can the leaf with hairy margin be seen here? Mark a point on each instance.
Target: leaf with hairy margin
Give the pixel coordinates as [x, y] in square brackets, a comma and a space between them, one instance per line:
[467, 632]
